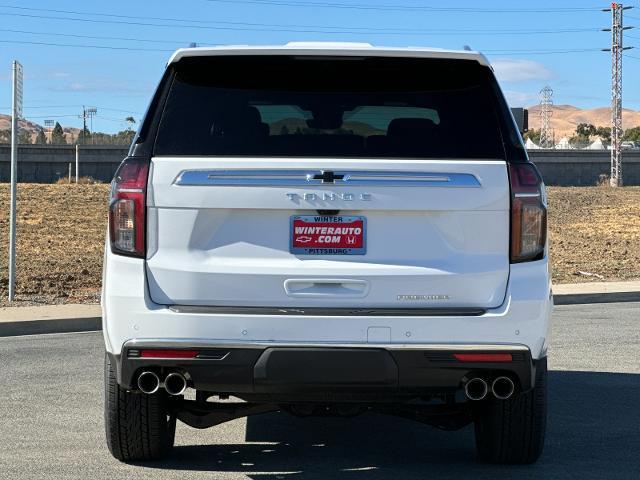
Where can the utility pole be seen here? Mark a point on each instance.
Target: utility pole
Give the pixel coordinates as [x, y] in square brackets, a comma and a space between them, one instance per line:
[546, 112]
[617, 28]
[16, 113]
[87, 112]
[84, 124]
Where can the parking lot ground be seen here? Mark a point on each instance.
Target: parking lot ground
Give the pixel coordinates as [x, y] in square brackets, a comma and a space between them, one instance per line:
[51, 409]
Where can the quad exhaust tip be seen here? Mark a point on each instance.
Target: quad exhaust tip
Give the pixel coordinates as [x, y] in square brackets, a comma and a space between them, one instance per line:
[148, 382]
[502, 388]
[476, 389]
[175, 384]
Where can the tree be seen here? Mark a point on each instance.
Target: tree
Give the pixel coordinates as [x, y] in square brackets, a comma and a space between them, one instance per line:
[604, 133]
[632, 134]
[124, 137]
[84, 136]
[24, 138]
[130, 122]
[579, 141]
[41, 139]
[585, 130]
[534, 135]
[57, 135]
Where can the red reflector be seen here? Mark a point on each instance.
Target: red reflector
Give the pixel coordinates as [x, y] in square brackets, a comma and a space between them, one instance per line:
[162, 353]
[483, 357]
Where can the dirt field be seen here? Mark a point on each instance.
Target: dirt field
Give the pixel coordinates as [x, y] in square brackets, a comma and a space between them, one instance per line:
[61, 231]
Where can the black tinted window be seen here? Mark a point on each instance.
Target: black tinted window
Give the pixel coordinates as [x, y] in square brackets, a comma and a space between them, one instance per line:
[330, 107]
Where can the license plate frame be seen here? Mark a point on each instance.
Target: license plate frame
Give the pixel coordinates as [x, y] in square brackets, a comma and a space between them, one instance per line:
[341, 247]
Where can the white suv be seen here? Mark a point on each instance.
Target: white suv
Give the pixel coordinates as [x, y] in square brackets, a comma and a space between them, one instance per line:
[327, 229]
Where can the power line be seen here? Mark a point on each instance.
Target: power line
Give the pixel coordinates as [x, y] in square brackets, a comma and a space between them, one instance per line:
[409, 8]
[48, 44]
[319, 29]
[540, 52]
[55, 116]
[74, 106]
[127, 39]
[119, 110]
[489, 52]
[215, 22]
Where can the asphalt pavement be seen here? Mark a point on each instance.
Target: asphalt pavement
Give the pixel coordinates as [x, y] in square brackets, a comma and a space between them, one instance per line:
[51, 420]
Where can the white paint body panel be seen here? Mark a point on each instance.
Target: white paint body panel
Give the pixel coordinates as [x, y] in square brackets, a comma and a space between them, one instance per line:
[329, 48]
[128, 313]
[229, 245]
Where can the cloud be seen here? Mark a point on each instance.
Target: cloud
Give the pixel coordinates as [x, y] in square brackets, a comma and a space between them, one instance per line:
[520, 99]
[94, 85]
[517, 70]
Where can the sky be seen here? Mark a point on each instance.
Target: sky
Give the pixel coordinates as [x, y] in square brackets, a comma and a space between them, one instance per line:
[110, 55]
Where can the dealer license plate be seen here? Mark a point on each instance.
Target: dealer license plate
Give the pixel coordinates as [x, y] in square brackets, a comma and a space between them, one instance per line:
[328, 235]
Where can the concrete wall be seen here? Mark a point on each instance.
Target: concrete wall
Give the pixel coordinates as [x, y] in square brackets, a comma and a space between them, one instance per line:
[583, 167]
[47, 163]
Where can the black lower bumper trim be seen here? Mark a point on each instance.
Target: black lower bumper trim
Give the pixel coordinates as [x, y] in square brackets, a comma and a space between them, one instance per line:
[330, 374]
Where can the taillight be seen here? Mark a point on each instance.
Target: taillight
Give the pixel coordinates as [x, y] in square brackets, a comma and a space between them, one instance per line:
[528, 213]
[127, 207]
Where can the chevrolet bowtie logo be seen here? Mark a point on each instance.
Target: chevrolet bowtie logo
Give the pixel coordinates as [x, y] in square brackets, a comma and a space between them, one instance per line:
[327, 176]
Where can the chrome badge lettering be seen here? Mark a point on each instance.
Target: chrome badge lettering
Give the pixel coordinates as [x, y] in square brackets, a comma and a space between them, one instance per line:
[420, 298]
[330, 197]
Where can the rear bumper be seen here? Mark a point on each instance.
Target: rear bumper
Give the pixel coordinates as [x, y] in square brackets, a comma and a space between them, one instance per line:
[331, 373]
[404, 355]
[128, 313]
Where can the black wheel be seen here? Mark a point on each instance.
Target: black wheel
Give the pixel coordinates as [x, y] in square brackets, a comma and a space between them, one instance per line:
[512, 431]
[138, 426]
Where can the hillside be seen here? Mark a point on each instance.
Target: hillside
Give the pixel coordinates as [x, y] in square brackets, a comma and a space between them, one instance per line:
[565, 118]
[33, 128]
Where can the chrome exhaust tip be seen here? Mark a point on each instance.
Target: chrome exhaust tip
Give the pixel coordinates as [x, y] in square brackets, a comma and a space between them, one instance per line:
[502, 388]
[175, 384]
[148, 382]
[476, 389]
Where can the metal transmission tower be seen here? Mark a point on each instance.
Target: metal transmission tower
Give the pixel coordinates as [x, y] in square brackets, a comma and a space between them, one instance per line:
[616, 50]
[546, 112]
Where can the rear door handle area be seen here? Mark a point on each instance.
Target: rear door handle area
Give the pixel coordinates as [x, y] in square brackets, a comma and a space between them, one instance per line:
[326, 287]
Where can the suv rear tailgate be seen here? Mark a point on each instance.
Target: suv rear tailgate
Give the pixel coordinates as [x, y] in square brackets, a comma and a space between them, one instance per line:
[438, 245]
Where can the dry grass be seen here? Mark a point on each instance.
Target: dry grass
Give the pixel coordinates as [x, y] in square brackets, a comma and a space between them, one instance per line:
[61, 232]
[81, 181]
[594, 230]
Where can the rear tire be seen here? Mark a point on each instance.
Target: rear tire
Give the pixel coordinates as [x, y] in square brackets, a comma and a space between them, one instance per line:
[512, 431]
[138, 426]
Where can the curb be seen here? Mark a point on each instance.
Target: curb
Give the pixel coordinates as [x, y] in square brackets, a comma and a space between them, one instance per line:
[587, 298]
[54, 325]
[94, 324]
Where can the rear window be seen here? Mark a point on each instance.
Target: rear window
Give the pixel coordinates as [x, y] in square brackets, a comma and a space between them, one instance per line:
[369, 107]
